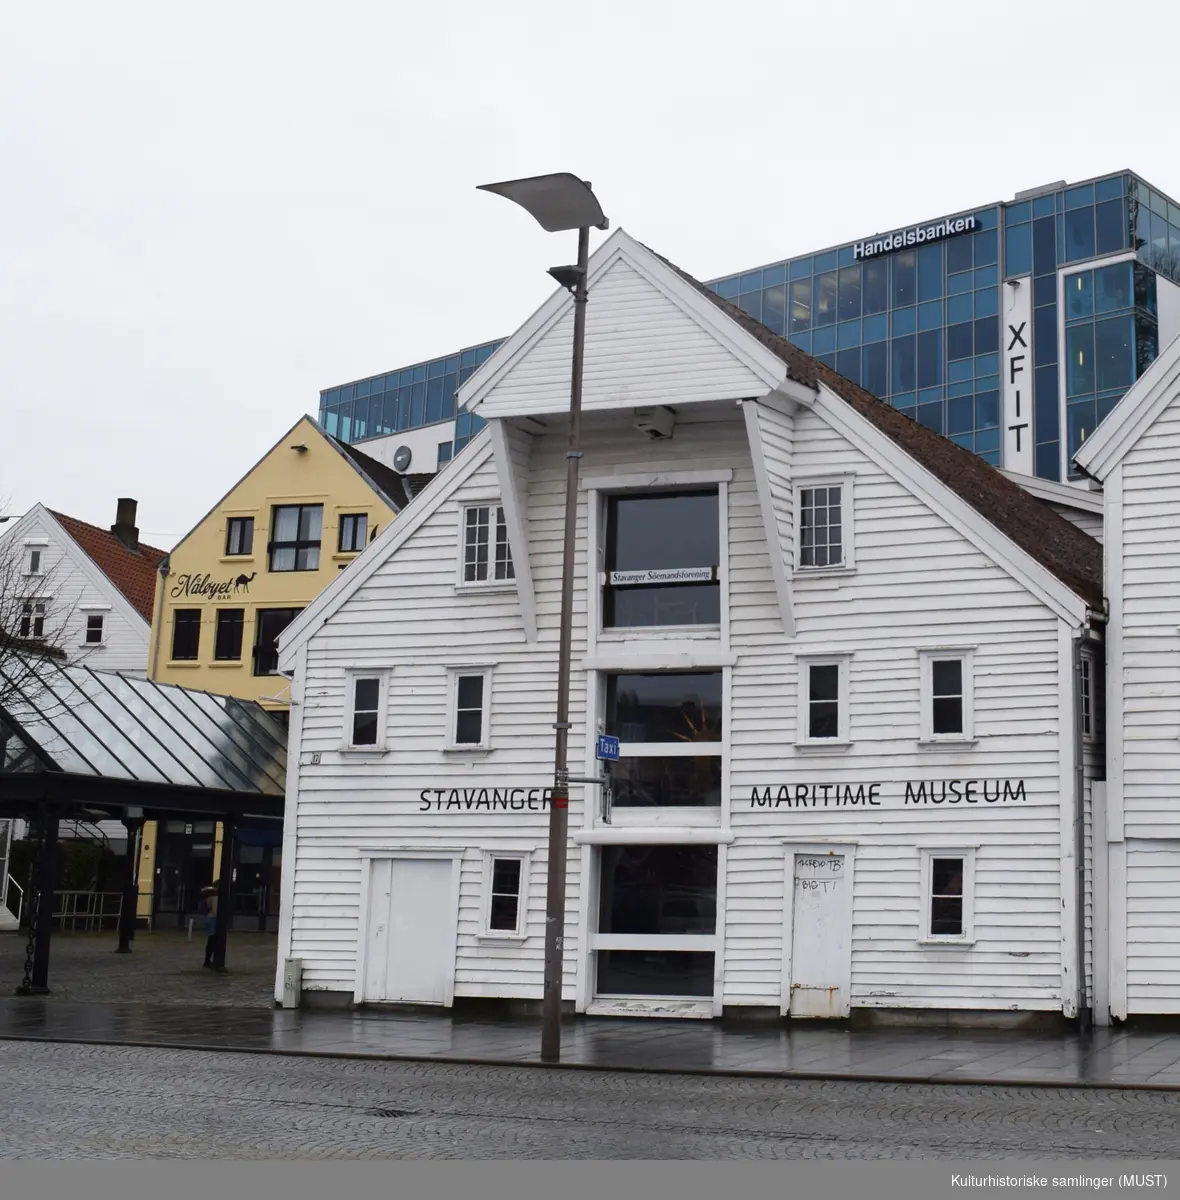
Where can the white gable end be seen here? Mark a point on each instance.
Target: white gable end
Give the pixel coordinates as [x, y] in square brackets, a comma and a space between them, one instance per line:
[651, 339]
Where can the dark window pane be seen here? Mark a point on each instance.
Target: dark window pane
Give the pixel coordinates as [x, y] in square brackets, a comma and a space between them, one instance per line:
[947, 676]
[506, 876]
[800, 315]
[186, 634]
[987, 410]
[875, 285]
[823, 684]
[503, 912]
[1079, 234]
[960, 341]
[930, 272]
[1114, 353]
[1146, 342]
[960, 415]
[470, 691]
[664, 707]
[875, 368]
[985, 247]
[658, 890]
[1044, 246]
[655, 973]
[364, 729]
[227, 646]
[987, 335]
[1111, 227]
[904, 282]
[848, 363]
[824, 299]
[850, 287]
[662, 531]
[904, 364]
[1079, 357]
[469, 728]
[1047, 415]
[1079, 295]
[946, 876]
[1045, 334]
[667, 782]
[774, 308]
[367, 693]
[930, 358]
[1049, 460]
[948, 714]
[958, 255]
[1018, 250]
[270, 623]
[1113, 288]
[946, 916]
[931, 415]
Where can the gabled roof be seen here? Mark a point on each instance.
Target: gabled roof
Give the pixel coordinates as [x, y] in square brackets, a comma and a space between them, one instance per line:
[1057, 544]
[1134, 414]
[397, 489]
[132, 572]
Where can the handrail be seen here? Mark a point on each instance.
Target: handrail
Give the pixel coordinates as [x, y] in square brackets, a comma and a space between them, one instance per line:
[20, 902]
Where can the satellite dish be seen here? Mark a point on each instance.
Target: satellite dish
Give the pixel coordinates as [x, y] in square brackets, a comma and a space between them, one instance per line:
[401, 458]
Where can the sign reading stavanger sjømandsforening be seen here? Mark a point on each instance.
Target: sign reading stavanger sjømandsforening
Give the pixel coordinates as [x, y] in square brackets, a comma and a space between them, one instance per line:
[868, 795]
[663, 575]
[917, 236]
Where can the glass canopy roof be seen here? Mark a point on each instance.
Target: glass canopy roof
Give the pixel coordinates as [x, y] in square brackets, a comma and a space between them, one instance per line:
[75, 720]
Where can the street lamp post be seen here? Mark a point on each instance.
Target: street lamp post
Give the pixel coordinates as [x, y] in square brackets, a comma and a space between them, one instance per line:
[561, 202]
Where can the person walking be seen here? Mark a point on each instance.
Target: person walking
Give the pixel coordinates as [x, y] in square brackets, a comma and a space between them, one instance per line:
[207, 908]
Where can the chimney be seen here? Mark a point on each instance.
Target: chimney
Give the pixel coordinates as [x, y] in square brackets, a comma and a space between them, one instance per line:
[124, 527]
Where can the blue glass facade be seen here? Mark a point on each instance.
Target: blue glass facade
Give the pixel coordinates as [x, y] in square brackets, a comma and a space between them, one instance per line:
[410, 398]
[918, 326]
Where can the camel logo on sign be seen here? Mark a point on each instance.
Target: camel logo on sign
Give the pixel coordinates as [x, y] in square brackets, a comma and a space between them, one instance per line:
[205, 587]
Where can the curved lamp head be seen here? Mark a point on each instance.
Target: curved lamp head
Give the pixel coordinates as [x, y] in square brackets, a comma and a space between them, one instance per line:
[555, 202]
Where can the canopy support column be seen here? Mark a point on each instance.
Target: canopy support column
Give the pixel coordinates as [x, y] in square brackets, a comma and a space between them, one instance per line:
[128, 909]
[224, 892]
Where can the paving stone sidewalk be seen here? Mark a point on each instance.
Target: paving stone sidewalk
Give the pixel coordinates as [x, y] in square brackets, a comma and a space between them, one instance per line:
[160, 996]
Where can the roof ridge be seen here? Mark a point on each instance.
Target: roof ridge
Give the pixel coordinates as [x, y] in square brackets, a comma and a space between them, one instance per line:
[60, 516]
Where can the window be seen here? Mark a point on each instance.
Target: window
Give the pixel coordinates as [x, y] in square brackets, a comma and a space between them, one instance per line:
[366, 697]
[947, 708]
[34, 562]
[657, 921]
[186, 634]
[948, 887]
[32, 619]
[505, 882]
[486, 555]
[663, 552]
[94, 628]
[1090, 686]
[823, 701]
[470, 690]
[239, 536]
[227, 642]
[823, 518]
[669, 726]
[353, 532]
[270, 622]
[295, 537]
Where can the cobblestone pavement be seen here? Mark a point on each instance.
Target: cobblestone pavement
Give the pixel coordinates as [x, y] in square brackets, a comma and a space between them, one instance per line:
[162, 968]
[118, 1102]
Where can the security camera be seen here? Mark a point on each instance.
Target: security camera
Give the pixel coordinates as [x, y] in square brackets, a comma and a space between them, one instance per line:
[655, 422]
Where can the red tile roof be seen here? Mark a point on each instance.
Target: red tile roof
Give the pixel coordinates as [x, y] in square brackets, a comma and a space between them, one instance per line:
[133, 574]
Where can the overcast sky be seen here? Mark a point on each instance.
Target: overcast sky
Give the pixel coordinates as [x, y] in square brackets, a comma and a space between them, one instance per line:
[208, 214]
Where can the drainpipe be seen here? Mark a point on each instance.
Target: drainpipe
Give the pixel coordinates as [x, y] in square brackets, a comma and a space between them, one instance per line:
[164, 569]
[1085, 1008]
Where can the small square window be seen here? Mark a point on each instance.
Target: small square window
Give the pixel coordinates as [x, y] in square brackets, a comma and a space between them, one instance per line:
[239, 536]
[470, 691]
[823, 520]
[487, 557]
[354, 531]
[947, 702]
[948, 895]
[95, 623]
[823, 701]
[366, 697]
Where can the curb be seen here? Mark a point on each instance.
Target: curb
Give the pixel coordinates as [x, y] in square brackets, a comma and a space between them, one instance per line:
[700, 1072]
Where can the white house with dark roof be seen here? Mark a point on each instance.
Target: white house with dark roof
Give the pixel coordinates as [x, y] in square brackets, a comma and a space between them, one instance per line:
[844, 659]
[1135, 456]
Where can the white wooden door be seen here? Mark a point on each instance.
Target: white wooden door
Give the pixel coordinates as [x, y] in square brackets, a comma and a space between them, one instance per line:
[411, 930]
[820, 937]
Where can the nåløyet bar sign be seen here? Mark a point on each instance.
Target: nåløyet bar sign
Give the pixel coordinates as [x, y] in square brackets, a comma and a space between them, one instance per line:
[985, 792]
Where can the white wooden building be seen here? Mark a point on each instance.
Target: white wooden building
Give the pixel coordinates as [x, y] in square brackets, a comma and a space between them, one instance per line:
[1135, 454]
[843, 656]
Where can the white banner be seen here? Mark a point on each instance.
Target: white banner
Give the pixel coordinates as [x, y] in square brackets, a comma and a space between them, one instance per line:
[1017, 381]
[663, 575]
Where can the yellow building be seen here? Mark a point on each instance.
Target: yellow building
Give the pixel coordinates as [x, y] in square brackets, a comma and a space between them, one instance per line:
[227, 590]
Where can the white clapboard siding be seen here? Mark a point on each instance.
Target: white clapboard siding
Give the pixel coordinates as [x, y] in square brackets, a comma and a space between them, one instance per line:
[70, 582]
[1086, 521]
[1153, 931]
[641, 348]
[917, 582]
[1151, 630]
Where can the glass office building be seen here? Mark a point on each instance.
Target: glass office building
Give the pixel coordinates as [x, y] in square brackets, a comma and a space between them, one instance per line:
[914, 316]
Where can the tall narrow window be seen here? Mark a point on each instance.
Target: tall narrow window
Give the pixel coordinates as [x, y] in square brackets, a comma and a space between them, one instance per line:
[186, 634]
[34, 562]
[946, 897]
[486, 554]
[353, 532]
[95, 627]
[366, 710]
[947, 695]
[1087, 696]
[239, 536]
[469, 709]
[821, 526]
[32, 619]
[269, 623]
[823, 701]
[295, 537]
[504, 908]
[227, 642]
[663, 552]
